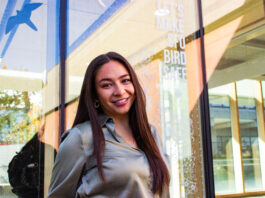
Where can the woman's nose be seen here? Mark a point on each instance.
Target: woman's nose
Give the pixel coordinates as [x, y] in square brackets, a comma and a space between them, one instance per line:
[119, 90]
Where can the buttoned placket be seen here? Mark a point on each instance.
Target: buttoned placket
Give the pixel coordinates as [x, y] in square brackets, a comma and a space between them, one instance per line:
[110, 126]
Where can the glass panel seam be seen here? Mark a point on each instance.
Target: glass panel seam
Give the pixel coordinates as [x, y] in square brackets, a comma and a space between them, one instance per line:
[63, 52]
[205, 115]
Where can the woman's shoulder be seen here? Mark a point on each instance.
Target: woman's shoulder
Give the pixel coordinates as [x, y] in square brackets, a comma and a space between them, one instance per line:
[79, 134]
[156, 136]
[158, 140]
[154, 131]
[74, 131]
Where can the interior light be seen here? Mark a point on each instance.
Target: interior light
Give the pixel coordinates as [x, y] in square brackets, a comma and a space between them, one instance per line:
[162, 12]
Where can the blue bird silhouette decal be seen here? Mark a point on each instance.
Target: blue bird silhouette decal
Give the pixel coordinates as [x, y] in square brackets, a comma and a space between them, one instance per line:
[23, 16]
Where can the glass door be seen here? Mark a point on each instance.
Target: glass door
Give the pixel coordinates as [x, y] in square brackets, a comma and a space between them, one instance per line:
[234, 48]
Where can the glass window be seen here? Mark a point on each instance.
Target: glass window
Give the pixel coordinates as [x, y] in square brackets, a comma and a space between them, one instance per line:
[249, 135]
[159, 39]
[29, 96]
[234, 54]
[221, 133]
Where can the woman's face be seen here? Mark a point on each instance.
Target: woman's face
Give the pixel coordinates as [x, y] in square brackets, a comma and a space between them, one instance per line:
[114, 88]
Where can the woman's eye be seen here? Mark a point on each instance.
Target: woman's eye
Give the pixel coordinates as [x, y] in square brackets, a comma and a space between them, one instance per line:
[126, 80]
[107, 85]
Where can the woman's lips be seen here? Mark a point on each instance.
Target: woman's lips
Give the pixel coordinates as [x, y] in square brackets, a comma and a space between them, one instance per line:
[122, 102]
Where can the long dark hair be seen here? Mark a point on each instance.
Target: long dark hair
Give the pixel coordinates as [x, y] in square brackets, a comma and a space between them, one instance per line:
[137, 119]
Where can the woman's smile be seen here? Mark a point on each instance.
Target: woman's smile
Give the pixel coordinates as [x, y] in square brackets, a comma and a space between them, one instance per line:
[121, 102]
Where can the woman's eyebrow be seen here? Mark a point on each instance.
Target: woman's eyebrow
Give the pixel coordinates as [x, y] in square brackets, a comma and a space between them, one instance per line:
[104, 79]
[124, 75]
[109, 79]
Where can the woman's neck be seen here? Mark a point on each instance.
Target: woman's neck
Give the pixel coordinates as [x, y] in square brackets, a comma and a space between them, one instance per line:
[122, 121]
[122, 127]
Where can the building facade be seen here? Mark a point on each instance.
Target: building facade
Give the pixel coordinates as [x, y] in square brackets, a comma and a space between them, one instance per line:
[201, 64]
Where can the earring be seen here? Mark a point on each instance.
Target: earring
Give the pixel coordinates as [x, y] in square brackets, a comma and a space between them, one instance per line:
[96, 104]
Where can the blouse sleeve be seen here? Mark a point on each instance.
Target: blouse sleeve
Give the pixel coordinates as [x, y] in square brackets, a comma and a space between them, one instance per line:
[68, 166]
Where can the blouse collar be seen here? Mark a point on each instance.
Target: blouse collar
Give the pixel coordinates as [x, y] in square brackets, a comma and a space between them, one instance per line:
[103, 119]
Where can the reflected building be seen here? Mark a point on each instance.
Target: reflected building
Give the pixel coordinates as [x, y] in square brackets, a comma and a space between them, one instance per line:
[200, 64]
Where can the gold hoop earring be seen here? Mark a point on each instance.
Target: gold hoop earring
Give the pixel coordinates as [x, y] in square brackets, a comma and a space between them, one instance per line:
[96, 104]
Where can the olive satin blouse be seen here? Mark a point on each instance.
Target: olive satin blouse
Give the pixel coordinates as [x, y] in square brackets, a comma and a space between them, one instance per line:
[126, 169]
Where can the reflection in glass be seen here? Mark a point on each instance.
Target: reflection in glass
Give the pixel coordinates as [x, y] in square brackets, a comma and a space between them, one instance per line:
[20, 117]
[176, 126]
[29, 93]
[249, 135]
[234, 51]
[221, 133]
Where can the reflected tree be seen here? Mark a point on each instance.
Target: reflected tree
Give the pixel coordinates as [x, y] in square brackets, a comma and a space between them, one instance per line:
[18, 122]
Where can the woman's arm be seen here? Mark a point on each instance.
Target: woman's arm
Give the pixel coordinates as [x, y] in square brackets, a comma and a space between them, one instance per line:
[68, 166]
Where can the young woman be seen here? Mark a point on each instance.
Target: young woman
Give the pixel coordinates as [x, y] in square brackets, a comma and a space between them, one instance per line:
[111, 150]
